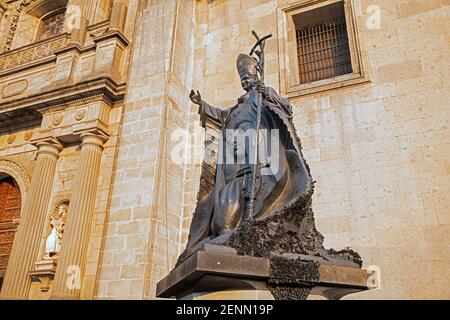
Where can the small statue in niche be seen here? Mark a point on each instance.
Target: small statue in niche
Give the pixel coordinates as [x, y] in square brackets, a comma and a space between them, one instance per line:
[54, 239]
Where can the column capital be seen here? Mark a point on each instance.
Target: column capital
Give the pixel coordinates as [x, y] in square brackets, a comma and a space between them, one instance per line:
[48, 146]
[93, 138]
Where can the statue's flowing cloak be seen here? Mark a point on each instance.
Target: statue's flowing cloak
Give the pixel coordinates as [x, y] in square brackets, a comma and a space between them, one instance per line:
[298, 186]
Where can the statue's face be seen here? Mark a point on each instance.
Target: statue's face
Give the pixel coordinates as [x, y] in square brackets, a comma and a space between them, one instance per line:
[62, 210]
[248, 82]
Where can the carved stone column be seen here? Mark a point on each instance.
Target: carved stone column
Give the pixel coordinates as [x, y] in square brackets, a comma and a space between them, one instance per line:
[71, 264]
[80, 24]
[68, 58]
[112, 44]
[118, 15]
[27, 240]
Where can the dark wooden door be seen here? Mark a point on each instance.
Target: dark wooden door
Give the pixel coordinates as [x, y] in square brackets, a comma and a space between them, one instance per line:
[10, 205]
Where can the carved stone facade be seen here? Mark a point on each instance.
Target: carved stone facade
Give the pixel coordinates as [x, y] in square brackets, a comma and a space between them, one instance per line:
[60, 94]
[87, 116]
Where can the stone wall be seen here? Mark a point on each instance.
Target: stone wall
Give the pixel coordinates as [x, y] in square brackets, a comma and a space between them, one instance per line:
[380, 154]
[378, 150]
[142, 240]
[60, 97]
[15, 148]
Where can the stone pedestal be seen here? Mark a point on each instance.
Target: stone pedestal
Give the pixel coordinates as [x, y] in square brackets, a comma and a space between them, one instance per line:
[44, 273]
[222, 275]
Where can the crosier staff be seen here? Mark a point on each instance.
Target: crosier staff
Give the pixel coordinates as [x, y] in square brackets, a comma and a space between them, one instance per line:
[261, 43]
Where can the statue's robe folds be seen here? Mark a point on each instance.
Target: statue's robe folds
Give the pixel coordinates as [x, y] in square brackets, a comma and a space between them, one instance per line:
[225, 188]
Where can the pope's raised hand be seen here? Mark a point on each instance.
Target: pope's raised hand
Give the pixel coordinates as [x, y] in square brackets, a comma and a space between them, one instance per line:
[196, 97]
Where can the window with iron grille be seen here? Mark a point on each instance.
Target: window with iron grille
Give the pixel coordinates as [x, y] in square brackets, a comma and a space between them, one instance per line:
[52, 25]
[322, 43]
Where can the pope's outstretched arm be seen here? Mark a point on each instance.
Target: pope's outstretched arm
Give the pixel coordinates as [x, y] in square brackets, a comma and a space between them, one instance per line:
[206, 110]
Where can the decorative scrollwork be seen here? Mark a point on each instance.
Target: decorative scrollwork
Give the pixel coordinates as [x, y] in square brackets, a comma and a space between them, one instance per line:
[17, 172]
[33, 53]
[14, 22]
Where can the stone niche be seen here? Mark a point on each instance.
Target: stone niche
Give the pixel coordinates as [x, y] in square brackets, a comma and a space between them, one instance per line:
[43, 274]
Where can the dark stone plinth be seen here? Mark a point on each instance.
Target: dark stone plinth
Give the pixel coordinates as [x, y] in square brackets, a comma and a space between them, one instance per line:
[286, 276]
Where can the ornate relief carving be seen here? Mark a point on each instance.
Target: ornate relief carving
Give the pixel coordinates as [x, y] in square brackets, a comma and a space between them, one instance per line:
[14, 22]
[98, 31]
[57, 119]
[14, 88]
[17, 172]
[32, 53]
[80, 115]
[28, 135]
[11, 139]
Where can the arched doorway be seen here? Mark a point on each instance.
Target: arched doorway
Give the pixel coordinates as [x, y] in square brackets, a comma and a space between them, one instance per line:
[10, 205]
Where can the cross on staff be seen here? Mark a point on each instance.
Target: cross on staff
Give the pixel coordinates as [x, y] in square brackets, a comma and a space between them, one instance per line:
[261, 44]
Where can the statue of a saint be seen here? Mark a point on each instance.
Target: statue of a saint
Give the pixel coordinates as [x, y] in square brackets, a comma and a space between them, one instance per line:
[54, 239]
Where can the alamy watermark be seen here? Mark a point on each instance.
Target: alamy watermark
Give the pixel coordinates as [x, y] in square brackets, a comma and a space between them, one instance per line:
[73, 281]
[229, 147]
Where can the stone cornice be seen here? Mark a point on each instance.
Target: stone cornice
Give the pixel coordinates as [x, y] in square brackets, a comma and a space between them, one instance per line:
[102, 86]
[116, 34]
[100, 89]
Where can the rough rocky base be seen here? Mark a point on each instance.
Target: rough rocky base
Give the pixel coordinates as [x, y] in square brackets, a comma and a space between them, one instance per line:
[284, 234]
[292, 278]
[291, 230]
[280, 292]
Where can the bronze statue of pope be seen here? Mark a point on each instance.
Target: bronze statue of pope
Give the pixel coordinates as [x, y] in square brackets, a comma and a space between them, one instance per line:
[258, 167]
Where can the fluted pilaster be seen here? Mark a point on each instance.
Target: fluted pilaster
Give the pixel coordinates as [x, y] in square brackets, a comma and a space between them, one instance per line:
[71, 264]
[118, 15]
[25, 249]
[78, 24]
